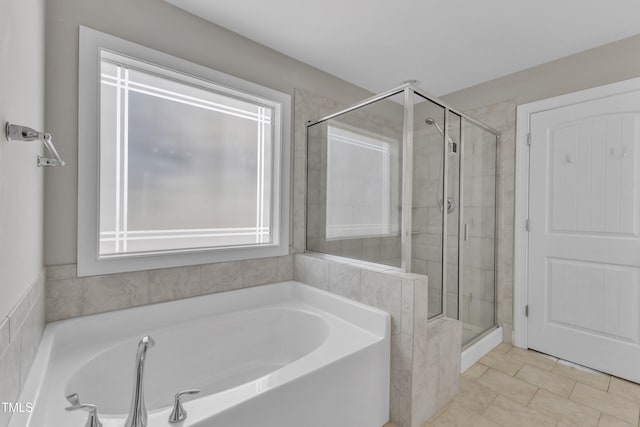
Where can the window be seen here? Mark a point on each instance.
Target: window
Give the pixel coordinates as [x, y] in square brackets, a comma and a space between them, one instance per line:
[359, 196]
[191, 165]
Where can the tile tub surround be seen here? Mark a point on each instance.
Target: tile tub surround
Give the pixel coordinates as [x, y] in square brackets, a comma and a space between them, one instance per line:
[20, 334]
[515, 387]
[425, 355]
[70, 296]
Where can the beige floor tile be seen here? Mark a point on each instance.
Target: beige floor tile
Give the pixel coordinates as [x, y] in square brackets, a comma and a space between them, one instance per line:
[582, 375]
[502, 348]
[474, 396]
[549, 381]
[569, 413]
[607, 403]
[459, 416]
[626, 389]
[609, 421]
[502, 363]
[475, 371]
[508, 386]
[507, 412]
[539, 360]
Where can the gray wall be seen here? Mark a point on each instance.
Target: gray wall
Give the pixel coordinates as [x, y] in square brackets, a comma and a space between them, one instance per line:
[595, 67]
[22, 102]
[21, 187]
[158, 25]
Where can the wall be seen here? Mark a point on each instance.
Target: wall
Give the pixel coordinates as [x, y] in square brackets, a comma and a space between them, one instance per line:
[21, 187]
[595, 67]
[160, 26]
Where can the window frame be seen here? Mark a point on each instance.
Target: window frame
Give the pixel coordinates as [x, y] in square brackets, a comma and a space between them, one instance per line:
[91, 44]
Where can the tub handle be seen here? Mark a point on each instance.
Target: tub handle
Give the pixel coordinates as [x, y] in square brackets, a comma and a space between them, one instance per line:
[179, 413]
[93, 420]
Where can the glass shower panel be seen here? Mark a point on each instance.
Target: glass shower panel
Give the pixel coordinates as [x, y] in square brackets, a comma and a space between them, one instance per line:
[354, 183]
[477, 302]
[428, 185]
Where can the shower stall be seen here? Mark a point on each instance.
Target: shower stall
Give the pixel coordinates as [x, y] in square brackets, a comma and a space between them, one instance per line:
[405, 181]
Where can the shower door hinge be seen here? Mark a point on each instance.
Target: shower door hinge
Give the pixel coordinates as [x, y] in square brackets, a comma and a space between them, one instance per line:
[526, 310]
[529, 138]
[527, 225]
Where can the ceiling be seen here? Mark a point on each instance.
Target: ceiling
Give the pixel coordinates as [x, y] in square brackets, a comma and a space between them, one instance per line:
[445, 44]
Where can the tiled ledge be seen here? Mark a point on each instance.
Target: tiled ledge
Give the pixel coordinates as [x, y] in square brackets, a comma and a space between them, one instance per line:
[70, 296]
[425, 355]
[20, 334]
[403, 295]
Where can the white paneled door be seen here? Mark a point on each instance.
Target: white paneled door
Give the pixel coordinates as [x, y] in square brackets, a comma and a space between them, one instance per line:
[584, 240]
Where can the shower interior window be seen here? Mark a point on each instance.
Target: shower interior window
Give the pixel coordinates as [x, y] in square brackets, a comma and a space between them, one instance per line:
[359, 196]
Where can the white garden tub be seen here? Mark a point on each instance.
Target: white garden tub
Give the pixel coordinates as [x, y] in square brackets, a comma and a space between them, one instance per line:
[281, 355]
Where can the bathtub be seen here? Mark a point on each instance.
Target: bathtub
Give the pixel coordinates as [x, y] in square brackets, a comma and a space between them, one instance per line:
[280, 355]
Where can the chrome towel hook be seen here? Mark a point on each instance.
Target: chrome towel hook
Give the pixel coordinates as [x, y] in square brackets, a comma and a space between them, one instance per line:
[23, 133]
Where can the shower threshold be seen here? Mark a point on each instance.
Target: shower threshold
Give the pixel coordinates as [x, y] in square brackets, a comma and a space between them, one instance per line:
[477, 348]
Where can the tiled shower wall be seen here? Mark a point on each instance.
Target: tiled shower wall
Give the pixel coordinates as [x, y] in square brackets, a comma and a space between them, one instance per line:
[426, 254]
[477, 306]
[502, 116]
[478, 272]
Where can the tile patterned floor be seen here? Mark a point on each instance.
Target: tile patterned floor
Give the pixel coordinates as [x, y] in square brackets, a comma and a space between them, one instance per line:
[511, 387]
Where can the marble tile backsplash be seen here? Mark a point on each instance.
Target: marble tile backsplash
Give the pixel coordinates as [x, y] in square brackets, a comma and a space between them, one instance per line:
[70, 296]
[20, 334]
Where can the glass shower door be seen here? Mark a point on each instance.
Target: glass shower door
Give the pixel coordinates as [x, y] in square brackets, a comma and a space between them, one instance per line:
[477, 232]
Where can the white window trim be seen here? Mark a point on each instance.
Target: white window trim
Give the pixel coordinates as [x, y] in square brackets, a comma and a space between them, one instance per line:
[89, 263]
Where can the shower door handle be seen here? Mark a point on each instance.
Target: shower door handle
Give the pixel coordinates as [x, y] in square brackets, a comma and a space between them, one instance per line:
[465, 232]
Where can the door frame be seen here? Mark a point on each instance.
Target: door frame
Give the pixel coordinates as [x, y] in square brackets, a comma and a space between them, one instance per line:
[521, 235]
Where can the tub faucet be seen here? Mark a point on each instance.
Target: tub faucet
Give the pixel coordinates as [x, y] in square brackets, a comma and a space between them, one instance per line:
[138, 412]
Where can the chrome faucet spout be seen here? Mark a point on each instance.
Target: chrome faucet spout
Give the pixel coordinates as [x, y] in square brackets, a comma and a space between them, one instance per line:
[138, 412]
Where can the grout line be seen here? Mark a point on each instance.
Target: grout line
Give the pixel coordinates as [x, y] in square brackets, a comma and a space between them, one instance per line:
[516, 373]
[530, 400]
[491, 403]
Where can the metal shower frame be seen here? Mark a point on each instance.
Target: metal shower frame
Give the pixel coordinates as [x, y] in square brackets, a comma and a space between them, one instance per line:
[409, 90]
